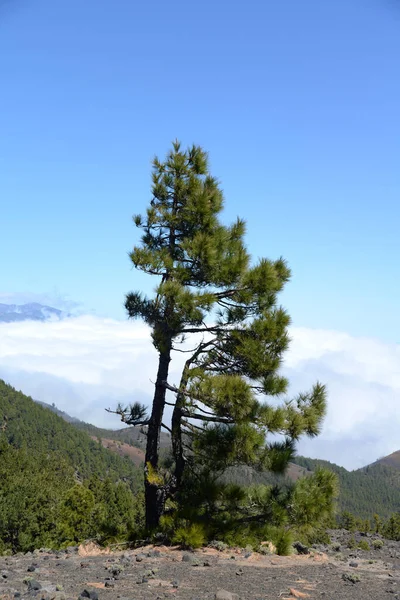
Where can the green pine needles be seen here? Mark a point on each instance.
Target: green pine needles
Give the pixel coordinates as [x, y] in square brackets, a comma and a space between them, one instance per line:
[213, 303]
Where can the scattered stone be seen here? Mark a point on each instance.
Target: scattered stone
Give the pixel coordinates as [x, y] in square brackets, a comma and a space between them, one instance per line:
[207, 563]
[353, 564]
[116, 570]
[140, 557]
[187, 558]
[109, 584]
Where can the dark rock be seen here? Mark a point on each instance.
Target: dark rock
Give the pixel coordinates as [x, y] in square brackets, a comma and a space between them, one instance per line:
[31, 568]
[90, 594]
[34, 585]
[175, 584]
[109, 584]
[301, 548]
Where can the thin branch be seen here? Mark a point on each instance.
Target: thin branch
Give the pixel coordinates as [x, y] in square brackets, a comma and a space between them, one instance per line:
[197, 407]
[191, 426]
[184, 351]
[125, 418]
[205, 329]
[209, 419]
[167, 428]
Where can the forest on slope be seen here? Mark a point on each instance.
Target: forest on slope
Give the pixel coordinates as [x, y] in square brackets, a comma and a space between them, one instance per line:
[374, 489]
[57, 485]
[28, 424]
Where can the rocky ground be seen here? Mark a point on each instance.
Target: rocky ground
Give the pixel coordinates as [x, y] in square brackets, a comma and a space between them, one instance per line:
[331, 572]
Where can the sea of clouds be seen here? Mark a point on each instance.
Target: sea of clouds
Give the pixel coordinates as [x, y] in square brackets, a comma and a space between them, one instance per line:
[85, 364]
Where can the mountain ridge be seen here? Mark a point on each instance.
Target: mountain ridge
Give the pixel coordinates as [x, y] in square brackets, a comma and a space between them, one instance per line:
[31, 311]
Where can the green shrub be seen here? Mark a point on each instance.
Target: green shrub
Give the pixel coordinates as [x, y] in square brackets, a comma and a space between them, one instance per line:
[190, 536]
[283, 543]
[352, 577]
[363, 545]
[242, 538]
[352, 544]
[377, 544]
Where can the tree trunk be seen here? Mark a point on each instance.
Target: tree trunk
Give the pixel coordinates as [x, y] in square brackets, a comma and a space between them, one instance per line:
[154, 490]
[177, 444]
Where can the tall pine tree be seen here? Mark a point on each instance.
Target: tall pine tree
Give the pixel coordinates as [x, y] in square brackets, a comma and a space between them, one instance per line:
[208, 291]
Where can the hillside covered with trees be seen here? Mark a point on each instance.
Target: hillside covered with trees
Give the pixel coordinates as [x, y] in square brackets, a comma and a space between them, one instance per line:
[374, 489]
[57, 486]
[27, 424]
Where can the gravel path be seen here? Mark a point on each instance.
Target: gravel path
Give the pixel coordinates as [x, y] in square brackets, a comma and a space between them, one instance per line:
[158, 573]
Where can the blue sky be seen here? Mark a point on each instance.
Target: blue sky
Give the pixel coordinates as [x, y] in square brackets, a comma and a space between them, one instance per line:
[296, 102]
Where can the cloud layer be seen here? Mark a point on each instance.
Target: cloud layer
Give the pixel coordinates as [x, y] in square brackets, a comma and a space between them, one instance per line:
[86, 364]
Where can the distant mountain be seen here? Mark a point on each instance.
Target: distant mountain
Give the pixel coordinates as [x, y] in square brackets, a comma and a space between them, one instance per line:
[33, 311]
[392, 460]
[372, 489]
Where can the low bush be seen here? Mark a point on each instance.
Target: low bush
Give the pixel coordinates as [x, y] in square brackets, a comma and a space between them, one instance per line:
[363, 545]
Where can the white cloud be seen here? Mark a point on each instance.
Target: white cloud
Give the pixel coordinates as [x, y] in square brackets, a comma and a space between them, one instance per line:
[85, 364]
[363, 380]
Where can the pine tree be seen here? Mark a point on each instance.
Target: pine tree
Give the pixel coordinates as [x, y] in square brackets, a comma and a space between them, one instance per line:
[209, 290]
